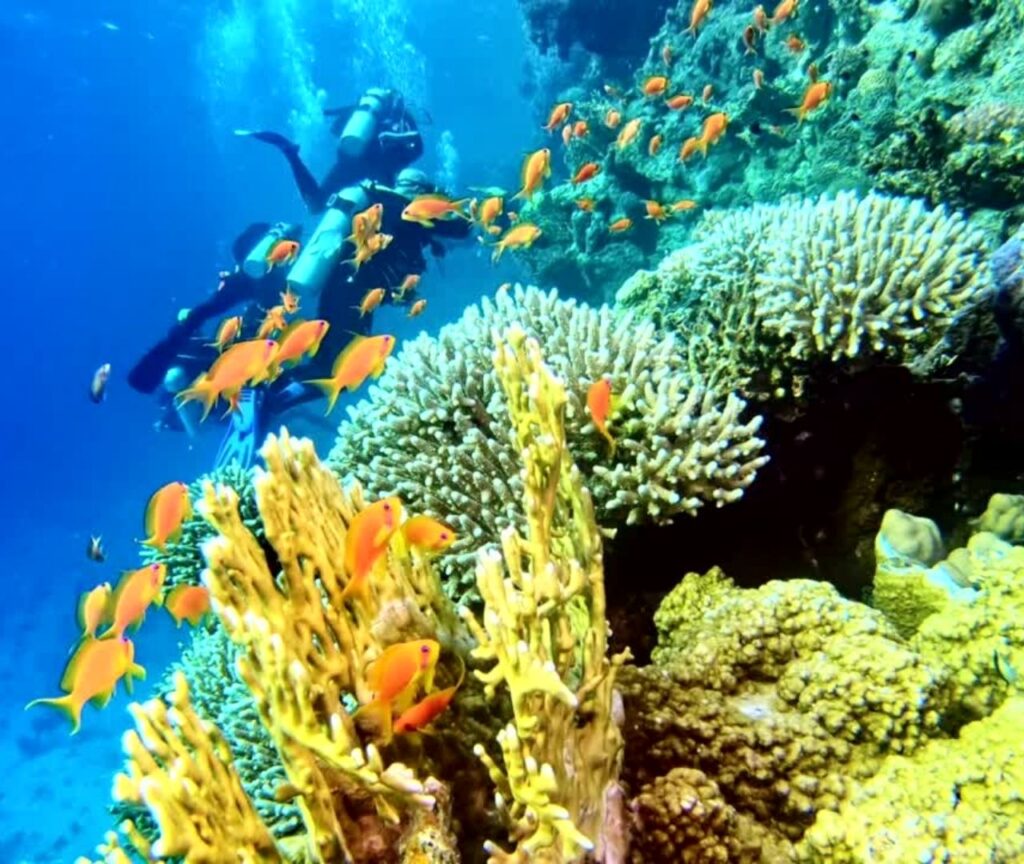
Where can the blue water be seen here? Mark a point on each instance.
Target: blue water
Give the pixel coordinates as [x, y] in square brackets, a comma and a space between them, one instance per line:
[123, 190]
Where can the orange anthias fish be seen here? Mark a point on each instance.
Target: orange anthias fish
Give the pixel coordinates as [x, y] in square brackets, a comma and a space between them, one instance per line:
[559, 114]
[656, 211]
[290, 301]
[366, 541]
[758, 79]
[690, 146]
[240, 363]
[427, 534]
[417, 308]
[227, 332]
[815, 96]
[283, 252]
[371, 300]
[684, 204]
[135, 593]
[396, 674]
[92, 675]
[580, 128]
[272, 322]
[93, 609]
[490, 210]
[785, 9]
[714, 129]
[656, 85]
[585, 204]
[612, 118]
[654, 145]
[536, 167]
[188, 603]
[621, 225]
[362, 358]
[409, 283]
[795, 44]
[698, 14]
[301, 339]
[427, 209]
[167, 509]
[761, 20]
[628, 133]
[600, 405]
[428, 709]
[586, 172]
[678, 103]
[522, 236]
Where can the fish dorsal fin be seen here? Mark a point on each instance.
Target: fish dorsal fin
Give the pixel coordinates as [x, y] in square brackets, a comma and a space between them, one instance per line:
[149, 520]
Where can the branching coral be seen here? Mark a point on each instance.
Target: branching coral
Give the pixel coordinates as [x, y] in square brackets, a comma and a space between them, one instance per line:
[436, 429]
[850, 279]
[304, 653]
[544, 628]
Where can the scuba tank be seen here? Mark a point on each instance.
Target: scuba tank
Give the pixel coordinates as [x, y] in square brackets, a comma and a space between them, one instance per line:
[323, 251]
[255, 263]
[361, 126]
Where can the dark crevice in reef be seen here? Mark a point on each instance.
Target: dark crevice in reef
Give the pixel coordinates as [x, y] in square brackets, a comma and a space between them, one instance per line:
[863, 444]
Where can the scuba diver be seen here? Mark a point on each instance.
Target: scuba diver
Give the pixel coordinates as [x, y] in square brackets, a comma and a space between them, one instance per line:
[378, 139]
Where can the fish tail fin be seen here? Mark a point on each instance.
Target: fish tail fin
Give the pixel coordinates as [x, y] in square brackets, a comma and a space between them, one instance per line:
[357, 587]
[797, 112]
[134, 671]
[382, 718]
[459, 208]
[67, 704]
[332, 390]
[496, 255]
[201, 391]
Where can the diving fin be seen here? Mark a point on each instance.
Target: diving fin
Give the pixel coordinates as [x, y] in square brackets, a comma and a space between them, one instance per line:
[244, 432]
[274, 139]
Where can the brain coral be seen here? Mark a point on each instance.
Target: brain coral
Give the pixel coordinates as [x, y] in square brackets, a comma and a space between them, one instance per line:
[779, 695]
[435, 428]
[847, 279]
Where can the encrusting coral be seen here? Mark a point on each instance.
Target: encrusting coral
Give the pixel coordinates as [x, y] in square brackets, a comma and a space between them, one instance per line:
[955, 800]
[543, 624]
[851, 279]
[436, 431]
[779, 696]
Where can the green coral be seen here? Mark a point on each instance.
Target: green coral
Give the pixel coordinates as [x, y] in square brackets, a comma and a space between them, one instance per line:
[955, 800]
[436, 430]
[850, 279]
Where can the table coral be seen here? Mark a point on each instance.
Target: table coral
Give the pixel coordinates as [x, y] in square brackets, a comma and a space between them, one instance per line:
[436, 431]
[955, 800]
[543, 625]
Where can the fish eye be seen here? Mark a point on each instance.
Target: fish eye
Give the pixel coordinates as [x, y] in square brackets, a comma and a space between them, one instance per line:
[444, 535]
[424, 649]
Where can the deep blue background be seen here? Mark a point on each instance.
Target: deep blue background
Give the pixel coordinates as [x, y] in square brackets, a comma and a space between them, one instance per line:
[123, 189]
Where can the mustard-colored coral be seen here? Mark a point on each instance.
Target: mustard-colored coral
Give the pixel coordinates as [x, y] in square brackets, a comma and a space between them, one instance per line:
[955, 801]
[180, 767]
[544, 628]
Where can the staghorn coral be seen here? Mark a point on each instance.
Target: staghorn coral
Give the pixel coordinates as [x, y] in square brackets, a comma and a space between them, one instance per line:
[544, 626]
[851, 279]
[955, 800]
[436, 430]
[780, 695]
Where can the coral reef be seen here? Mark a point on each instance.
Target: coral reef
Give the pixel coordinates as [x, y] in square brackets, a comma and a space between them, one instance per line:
[544, 626]
[780, 695]
[955, 800]
[609, 28]
[852, 279]
[435, 430]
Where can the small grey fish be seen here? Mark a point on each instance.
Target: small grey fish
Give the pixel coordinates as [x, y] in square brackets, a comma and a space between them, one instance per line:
[98, 387]
[1004, 668]
[94, 551]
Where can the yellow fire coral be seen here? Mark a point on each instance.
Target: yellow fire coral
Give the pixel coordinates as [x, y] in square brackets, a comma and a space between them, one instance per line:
[544, 627]
[304, 656]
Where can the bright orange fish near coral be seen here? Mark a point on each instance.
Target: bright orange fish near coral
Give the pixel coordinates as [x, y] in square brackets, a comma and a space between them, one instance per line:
[301, 339]
[395, 675]
[93, 609]
[232, 370]
[679, 102]
[814, 97]
[628, 133]
[366, 542]
[417, 308]
[135, 593]
[559, 114]
[227, 332]
[427, 534]
[698, 13]
[522, 236]
[371, 300]
[586, 172]
[656, 85]
[601, 404]
[427, 209]
[362, 358]
[536, 167]
[428, 709]
[188, 603]
[92, 675]
[166, 510]
[620, 226]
